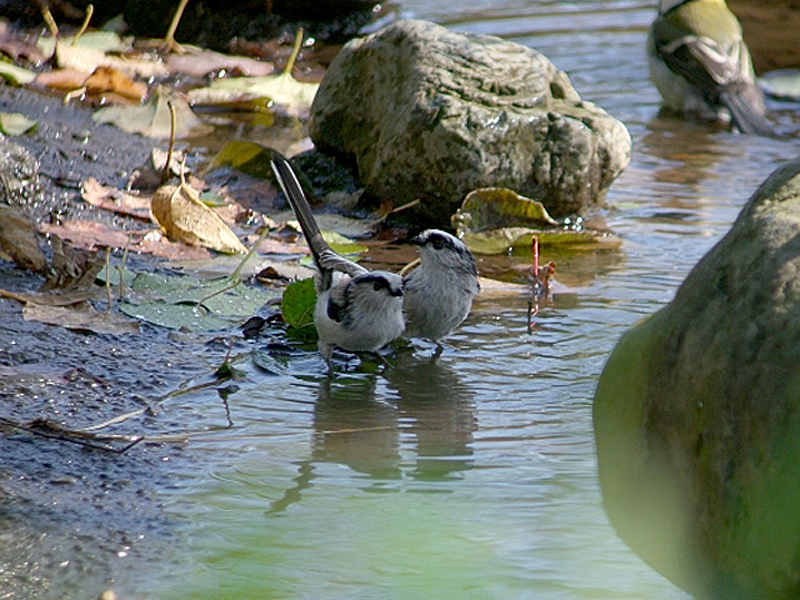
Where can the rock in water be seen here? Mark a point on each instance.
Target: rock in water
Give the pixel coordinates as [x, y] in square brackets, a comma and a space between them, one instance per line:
[697, 414]
[432, 114]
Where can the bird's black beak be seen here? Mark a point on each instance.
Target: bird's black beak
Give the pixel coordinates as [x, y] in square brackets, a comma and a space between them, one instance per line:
[417, 240]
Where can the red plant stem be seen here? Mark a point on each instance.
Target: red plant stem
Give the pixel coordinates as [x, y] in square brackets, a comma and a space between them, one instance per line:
[535, 257]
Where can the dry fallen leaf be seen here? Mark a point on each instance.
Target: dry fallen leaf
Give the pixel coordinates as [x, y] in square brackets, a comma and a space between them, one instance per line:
[285, 90]
[156, 243]
[107, 79]
[199, 62]
[87, 59]
[18, 239]
[87, 234]
[184, 217]
[82, 316]
[153, 118]
[110, 198]
[62, 79]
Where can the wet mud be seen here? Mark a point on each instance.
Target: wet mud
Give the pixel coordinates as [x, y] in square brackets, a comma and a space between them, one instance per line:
[73, 517]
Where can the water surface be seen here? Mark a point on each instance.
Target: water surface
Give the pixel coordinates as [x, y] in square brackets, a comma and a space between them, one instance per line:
[472, 476]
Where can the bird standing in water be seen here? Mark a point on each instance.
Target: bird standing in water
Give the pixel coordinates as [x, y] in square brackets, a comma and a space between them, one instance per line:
[701, 65]
[356, 309]
[439, 293]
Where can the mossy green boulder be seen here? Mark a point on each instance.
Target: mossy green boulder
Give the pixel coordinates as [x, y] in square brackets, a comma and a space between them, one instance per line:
[697, 414]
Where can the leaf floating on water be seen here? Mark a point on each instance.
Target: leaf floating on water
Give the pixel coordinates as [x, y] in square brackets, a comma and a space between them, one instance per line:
[297, 307]
[179, 210]
[110, 198]
[247, 157]
[185, 302]
[199, 62]
[100, 49]
[492, 220]
[153, 118]
[81, 317]
[490, 208]
[295, 96]
[107, 79]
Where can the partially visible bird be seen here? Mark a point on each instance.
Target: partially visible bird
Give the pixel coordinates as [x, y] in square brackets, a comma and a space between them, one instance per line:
[439, 293]
[357, 310]
[701, 65]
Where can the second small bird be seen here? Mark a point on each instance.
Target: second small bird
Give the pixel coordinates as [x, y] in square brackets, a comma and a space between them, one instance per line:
[439, 293]
[357, 310]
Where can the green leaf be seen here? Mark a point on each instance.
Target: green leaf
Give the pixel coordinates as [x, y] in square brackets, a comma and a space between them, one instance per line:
[247, 157]
[297, 304]
[178, 316]
[492, 220]
[194, 304]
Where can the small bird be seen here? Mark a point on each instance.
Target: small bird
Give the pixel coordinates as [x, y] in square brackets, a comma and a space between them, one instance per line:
[357, 310]
[701, 65]
[439, 293]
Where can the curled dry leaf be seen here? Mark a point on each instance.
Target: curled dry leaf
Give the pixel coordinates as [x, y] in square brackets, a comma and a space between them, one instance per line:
[107, 79]
[492, 220]
[181, 213]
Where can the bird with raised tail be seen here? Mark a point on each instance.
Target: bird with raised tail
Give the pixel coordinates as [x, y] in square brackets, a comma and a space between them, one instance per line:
[438, 293]
[357, 310]
[702, 67]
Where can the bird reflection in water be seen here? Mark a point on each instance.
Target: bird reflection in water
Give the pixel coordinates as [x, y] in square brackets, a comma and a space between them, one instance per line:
[363, 424]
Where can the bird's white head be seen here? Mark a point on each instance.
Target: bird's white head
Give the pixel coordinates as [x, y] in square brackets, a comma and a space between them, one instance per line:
[438, 248]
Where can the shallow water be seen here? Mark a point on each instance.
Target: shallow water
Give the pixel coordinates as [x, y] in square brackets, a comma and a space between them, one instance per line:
[472, 476]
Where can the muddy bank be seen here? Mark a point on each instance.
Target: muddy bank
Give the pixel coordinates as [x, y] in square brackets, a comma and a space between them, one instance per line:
[73, 518]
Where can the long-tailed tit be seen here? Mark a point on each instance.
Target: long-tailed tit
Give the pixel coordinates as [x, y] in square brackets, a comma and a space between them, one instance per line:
[439, 293]
[357, 310]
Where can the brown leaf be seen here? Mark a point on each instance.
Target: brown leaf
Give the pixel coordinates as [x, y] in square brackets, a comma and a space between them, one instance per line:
[155, 243]
[184, 217]
[72, 269]
[62, 79]
[81, 316]
[87, 234]
[18, 239]
[107, 79]
[199, 62]
[110, 198]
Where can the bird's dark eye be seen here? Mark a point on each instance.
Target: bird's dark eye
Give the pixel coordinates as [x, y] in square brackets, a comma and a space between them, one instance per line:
[437, 243]
[377, 285]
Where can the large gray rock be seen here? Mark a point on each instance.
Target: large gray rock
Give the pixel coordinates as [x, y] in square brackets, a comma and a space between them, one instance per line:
[432, 114]
[697, 414]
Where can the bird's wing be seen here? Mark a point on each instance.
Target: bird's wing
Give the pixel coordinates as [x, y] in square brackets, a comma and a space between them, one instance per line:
[324, 256]
[702, 62]
[723, 77]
